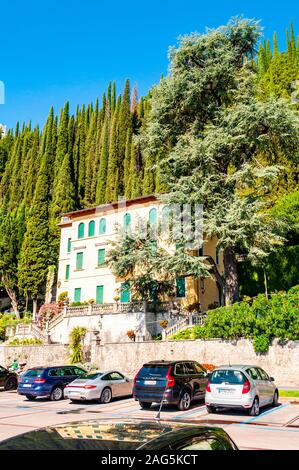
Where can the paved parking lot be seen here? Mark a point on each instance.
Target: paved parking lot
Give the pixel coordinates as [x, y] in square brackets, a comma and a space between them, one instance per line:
[275, 428]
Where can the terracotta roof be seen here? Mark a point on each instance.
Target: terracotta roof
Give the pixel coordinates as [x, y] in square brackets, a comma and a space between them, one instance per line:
[105, 207]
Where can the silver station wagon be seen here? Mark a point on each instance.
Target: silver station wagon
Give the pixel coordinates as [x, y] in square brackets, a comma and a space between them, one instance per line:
[101, 386]
[242, 387]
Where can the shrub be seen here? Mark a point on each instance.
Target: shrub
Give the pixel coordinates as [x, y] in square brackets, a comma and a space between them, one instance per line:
[261, 344]
[259, 319]
[25, 342]
[184, 334]
[63, 297]
[48, 311]
[157, 337]
[77, 336]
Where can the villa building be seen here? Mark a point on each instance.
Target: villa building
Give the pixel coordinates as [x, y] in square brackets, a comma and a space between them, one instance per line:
[85, 236]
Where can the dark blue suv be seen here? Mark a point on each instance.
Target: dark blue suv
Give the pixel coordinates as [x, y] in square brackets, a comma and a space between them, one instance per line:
[47, 381]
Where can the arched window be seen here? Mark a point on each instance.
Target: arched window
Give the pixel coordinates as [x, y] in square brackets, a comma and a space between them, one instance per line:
[102, 226]
[91, 228]
[81, 230]
[153, 217]
[127, 220]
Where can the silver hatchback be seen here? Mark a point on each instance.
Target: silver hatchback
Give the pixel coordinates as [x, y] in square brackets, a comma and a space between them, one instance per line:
[242, 387]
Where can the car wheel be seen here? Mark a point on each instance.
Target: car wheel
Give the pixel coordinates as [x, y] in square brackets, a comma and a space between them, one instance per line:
[255, 409]
[30, 397]
[145, 405]
[56, 394]
[106, 395]
[11, 384]
[185, 401]
[275, 398]
[210, 409]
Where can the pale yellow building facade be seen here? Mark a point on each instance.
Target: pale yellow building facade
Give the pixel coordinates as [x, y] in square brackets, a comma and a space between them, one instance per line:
[85, 235]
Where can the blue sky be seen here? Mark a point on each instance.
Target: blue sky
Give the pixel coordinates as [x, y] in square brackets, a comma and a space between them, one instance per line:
[69, 50]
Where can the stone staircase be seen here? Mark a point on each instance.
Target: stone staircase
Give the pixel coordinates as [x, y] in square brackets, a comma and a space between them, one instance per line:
[187, 322]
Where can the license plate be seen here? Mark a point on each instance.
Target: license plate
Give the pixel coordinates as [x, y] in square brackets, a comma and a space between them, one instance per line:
[27, 385]
[150, 382]
[74, 394]
[225, 391]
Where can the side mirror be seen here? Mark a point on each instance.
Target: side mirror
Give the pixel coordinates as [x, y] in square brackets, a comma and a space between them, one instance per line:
[127, 379]
[272, 379]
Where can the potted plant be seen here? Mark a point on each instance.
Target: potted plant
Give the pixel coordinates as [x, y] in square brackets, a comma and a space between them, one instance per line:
[131, 334]
[163, 323]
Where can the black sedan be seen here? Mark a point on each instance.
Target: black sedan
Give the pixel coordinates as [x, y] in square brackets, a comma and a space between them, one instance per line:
[8, 379]
[130, 434]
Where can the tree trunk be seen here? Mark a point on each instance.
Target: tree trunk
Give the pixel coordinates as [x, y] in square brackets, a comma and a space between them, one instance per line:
[230, 275]
[13, 299]
[218, 278]
[266, 283]
[34, 309]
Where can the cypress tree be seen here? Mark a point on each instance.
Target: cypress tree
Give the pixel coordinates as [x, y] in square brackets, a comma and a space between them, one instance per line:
[113, 161]
[35, 251]
[102, 173]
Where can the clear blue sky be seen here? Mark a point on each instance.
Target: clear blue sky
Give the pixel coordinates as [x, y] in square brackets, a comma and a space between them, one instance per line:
[69, 50]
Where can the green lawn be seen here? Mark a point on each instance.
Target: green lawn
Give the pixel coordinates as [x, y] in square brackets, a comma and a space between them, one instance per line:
[289, 393]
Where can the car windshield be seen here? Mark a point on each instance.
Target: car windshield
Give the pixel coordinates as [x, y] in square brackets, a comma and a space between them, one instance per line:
[153, 371]
[34, 373]
[230, 376]
[92, 376]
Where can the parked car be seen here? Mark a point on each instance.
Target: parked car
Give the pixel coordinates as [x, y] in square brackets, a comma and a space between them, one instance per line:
[8, 379]
[242, 387]
[128, 434]
[102, 386]
[172, 382]
[47, 381]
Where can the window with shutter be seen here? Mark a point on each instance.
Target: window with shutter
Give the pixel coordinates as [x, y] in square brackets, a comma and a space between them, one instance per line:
[81, 230]
[91, 228]
[101, 257]
[79, 260]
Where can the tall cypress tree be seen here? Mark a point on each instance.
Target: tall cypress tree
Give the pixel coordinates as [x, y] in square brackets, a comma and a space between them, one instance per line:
[35, 251]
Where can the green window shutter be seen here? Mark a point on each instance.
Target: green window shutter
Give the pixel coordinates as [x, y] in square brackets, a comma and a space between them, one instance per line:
[67, 272]
[101, 256]
[91, 228]
[102, 226]
[153, 217]
[69, 245]
[180, 287]
[77, 294]
[125, 294]
[81, 230]
[127, 220]
[100, 294]
[79, 261]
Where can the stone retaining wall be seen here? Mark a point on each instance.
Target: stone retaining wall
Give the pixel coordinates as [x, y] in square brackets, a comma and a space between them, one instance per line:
[52, 354]
[281, 362]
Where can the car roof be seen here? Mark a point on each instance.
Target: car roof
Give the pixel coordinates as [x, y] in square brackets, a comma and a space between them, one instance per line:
[54, 367]
[236, 366]
[162, 362]
[133, 432]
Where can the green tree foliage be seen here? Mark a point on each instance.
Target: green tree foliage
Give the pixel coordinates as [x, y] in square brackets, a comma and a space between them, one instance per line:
[218, 141]
[261, 320]
[75, 161]
[99, 152]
